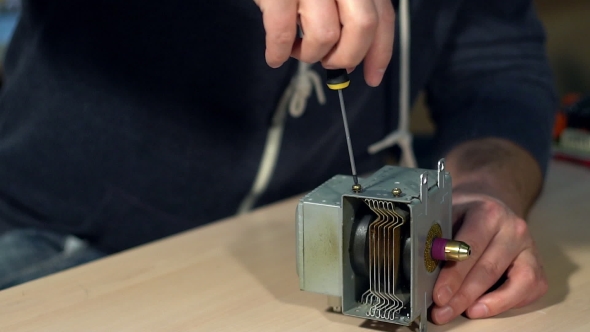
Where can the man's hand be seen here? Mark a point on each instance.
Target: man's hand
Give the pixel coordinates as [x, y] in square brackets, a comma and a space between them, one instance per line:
[339, 33]
[500, 245]
[495, 183]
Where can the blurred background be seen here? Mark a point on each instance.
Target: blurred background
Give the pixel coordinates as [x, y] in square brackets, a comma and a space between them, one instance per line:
[567, 23]
[9, 13]
[568, 29]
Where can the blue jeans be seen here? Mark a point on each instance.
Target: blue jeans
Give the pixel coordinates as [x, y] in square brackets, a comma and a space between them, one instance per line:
[28, 254]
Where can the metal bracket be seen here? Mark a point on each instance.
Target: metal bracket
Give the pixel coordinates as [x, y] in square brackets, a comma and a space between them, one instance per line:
[441, 173]
[424, 191]
[423, 316]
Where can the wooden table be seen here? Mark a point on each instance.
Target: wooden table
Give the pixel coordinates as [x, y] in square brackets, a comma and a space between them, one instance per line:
[239, 275]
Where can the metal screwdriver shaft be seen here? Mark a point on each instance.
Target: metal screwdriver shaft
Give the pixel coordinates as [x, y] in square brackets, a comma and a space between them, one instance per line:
[337, 79]
[348, 141]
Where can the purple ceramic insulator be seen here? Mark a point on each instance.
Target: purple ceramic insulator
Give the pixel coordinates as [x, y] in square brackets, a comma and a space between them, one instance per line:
[438, 249]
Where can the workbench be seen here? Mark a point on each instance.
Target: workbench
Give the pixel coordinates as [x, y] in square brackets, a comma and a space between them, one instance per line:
[239, 274]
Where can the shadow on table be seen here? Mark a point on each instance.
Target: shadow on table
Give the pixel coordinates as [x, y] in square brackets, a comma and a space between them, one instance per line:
[269, 266]
[558, 272]
[275, 269]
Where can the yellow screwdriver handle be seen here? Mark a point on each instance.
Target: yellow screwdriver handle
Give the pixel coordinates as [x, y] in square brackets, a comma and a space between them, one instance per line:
[337, 79]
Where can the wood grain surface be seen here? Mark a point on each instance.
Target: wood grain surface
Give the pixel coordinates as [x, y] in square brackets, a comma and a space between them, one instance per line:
[239, 275]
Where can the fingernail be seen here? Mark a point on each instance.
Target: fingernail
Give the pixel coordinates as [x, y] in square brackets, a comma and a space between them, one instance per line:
[377, 77]
[444, 295]
[478, 311]
[274, 65]
[445, 314]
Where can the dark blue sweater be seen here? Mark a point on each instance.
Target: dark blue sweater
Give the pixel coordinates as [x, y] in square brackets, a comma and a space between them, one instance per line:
[126, 121]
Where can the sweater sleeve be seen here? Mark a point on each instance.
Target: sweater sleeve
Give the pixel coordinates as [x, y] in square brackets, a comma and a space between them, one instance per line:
[493, 79]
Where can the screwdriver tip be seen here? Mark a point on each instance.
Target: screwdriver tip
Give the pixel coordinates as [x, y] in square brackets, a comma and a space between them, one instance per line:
[357, 188]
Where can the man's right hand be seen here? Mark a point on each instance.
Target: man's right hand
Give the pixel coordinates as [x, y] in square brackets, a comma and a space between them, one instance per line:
[339, 33]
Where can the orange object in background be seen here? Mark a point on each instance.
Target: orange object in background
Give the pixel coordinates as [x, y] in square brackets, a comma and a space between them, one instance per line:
[571, 130]
[570, 99]
[560, 123]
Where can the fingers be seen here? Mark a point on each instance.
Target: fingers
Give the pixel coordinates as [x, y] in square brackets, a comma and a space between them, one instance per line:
[452, 292]
[496, 238]
[478, 235]
[280, 23]
[339, 33]
[321, 25]
[526, 283]
[500, 242]
[359, 21]
[381, 50]
[485, 272]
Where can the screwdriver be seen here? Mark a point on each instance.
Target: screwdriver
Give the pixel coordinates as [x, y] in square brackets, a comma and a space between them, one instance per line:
[337, 79]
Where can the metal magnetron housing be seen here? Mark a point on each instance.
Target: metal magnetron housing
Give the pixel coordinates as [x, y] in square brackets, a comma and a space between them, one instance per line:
[377, 253]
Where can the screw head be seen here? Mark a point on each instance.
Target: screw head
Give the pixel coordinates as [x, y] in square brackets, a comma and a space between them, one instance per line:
[357, 188]
[396, 192]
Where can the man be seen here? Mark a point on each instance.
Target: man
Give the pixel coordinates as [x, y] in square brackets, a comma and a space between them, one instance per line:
[124, 122]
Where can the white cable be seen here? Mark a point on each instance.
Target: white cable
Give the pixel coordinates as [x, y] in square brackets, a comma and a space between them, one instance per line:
[294, 99]
[305, 79]
[73, 244]
[402, 135]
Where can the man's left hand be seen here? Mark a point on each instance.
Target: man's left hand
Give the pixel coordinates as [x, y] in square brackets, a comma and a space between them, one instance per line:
[501, 245]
